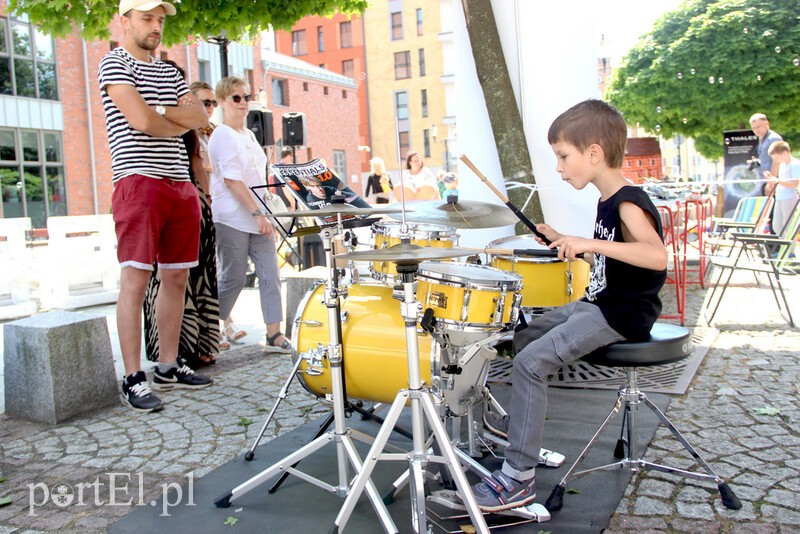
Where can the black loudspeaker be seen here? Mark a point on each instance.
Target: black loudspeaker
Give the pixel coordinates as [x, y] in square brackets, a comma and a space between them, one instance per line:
[260, 123]
[294, 129]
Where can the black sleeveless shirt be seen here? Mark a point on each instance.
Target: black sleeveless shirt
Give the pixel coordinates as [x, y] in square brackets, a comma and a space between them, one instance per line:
[626, 295]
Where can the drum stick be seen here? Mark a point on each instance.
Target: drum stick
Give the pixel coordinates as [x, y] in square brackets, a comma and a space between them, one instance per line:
[521, 216]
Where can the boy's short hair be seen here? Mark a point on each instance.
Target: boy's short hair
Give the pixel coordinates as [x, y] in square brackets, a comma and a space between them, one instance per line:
[199, 86]
[592, 122]
[779, 147]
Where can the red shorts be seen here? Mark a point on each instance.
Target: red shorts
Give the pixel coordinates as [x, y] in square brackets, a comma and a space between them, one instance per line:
[156, 220]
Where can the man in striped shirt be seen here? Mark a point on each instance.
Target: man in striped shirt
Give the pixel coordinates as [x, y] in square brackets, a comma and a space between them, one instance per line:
[156, 210]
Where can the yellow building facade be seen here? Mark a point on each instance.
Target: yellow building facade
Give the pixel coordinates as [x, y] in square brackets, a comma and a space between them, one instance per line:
[407, 82]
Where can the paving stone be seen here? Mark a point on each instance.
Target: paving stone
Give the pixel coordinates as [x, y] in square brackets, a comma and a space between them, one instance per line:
[647, 506]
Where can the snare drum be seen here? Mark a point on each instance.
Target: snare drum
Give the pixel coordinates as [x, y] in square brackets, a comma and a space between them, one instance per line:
[387, 233]
[548, 281]
[469, 297]
[374, 350]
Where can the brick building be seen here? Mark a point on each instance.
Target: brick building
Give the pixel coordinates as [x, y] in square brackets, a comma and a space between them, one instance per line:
[642, 159]
[54, 157]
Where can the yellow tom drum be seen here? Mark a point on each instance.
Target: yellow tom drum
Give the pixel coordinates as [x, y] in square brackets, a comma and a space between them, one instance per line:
[387, 234]
[469, 297]
[374, 350]
[547, 281]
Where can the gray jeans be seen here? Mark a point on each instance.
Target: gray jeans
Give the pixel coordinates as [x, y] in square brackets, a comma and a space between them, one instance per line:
[233, 249]
[558, 337]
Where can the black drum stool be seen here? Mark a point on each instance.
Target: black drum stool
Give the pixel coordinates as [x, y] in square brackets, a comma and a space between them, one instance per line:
[667, 344]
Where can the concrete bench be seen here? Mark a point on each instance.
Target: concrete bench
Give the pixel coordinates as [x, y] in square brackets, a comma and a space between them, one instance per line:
[16, 265]
[58, 365]
[80, 266]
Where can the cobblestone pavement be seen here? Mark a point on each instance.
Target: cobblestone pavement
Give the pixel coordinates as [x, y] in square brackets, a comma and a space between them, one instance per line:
[741, 413]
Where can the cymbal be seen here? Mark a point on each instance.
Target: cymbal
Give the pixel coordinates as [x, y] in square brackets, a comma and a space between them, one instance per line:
[462, 214]
[406, 253]
[334, 209]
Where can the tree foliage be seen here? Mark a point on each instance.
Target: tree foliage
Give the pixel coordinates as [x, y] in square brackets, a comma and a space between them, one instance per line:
[708, 66]
[197, 18]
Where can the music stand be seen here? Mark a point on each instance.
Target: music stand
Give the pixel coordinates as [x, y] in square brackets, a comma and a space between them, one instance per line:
[280, 224]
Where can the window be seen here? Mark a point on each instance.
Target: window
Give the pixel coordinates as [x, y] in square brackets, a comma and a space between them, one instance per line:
[340, 164]
[324, 89]
[27, 60]
[422, 62]
[405, 143]
[426, 142]
[204, 72]
[402, 65]
[345, 34]
[320, 39]
[397, 26]
[344, 94]
[299, 43]
[37, 156]
[248, 76]
[424, 100]
[305, 86]
[419, 21]
[280, 94]
[347, 68]
[401, 105]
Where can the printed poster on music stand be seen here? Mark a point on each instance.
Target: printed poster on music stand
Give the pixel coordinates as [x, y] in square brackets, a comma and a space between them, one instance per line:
[313, 184]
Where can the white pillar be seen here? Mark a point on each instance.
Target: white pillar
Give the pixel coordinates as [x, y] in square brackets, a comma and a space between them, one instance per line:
[553, 65]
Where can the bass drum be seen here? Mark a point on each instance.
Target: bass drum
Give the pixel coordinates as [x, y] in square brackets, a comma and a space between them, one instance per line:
[374, 350]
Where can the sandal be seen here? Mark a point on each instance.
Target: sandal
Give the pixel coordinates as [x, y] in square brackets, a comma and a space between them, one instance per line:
[207, 359]
[286, 346]
[233, 333]
[223, 344]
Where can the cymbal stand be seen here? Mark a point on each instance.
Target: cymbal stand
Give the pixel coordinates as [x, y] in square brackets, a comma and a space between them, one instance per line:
[340, 436]
[423, 410]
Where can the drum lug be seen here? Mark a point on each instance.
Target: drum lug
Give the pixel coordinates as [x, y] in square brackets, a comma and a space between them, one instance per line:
[345, 315]
[569, 283]
[314, 358]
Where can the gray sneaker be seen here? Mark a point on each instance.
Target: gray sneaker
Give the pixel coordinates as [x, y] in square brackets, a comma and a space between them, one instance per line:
[496, 424]
[501, 492]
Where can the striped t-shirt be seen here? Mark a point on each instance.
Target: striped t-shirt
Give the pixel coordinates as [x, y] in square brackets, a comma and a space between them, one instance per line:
[132, 151]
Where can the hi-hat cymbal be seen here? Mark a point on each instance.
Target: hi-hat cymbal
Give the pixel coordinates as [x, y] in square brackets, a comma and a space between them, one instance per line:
[462, 214]
[334, 209]
[406, 253]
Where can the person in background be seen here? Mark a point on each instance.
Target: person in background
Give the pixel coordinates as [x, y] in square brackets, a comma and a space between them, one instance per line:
[784, 184]
[239, 162]
[379, 182]
[760, 126]
[156, 211]
[629, 263]
[282, 192]
[199, 341]
[420, 178]
[450, 182]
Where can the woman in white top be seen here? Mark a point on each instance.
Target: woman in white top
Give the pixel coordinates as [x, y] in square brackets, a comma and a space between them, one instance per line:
[421, 179]
[239, 162]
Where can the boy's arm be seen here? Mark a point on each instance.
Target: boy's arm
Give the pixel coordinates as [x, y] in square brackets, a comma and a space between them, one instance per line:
[642, 246]
[141, 116]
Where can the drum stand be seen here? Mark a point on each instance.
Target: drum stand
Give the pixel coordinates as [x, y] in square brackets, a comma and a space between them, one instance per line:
[422, 410]
[340, 436]
[349, 242]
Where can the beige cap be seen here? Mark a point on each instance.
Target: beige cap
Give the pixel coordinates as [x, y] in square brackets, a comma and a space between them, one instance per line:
[145, 5]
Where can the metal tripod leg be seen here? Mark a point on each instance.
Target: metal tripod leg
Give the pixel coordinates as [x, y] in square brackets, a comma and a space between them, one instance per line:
[281, 395]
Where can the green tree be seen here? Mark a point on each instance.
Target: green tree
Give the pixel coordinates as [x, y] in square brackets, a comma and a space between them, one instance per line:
[708, 66]
[198, 18]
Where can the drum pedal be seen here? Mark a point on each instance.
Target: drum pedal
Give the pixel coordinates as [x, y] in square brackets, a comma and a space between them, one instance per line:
[533, 513]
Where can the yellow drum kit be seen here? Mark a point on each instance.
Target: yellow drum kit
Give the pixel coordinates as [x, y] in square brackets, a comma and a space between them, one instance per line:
[420, 332]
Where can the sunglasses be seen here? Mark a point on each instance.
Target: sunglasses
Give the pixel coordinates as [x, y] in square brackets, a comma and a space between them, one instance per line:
[238, 98]
[209, 103]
